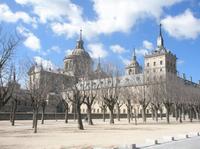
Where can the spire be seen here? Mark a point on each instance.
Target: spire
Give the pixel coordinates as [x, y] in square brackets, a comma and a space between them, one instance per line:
[160, 42]
[160, 33]
[79, 44]
[134, 55]
[80, 38]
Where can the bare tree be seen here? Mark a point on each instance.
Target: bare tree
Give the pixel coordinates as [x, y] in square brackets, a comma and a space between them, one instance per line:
[156, 104]
[103, 108]
[143, 100]
[110, 91]
[119, 104]
[90, 97]
[66, 106]
[16, 95]
[8, 44]
[37, 90]
[77, 95]
[129, 97]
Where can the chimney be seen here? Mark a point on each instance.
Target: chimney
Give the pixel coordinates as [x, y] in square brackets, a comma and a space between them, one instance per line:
[190, 78]
[184, 76]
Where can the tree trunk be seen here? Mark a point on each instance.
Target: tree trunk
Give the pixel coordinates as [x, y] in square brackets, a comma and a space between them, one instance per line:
[118, 112]
[161, 114]
[128, 114]
[131, 109]
[14, 113]
[11, 111]
[156, 114]
[180, 115]
[43, 112]
[75, 112]
[79, 117]
[183, 111]
[152, 113]
[144, 114]
[135, 115]
[89, 115]
[196, 113]
[191, 114]
[176, 111]
[66, 113]
[167, 113]
[111, 116]
[35, 121]
[104, 113]
[33, 124]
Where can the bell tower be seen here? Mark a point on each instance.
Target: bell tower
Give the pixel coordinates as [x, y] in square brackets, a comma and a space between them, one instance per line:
[134, 67]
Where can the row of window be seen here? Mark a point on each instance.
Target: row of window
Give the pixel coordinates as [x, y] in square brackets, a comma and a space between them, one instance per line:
[154, 63]
[154, 70]
[161, 63]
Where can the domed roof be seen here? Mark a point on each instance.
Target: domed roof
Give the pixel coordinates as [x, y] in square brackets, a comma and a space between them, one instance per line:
[81, 52]
[133, 62]
[79, 49]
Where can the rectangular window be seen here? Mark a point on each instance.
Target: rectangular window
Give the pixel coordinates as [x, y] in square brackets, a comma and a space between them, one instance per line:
[147, 64]
[161, 62]
[154, 63]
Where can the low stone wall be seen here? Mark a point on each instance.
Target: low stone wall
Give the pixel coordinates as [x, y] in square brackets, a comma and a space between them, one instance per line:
[48, 116]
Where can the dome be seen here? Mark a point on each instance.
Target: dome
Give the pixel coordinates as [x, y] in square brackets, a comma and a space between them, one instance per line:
[133, 63]
[80, 52]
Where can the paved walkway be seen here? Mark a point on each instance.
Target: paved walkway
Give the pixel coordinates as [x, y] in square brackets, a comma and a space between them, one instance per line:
[189, 143]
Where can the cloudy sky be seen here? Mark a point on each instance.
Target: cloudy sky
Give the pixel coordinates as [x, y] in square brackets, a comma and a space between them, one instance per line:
[111, 29]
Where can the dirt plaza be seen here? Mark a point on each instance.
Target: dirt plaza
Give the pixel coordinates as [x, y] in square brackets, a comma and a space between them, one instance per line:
[58, 135]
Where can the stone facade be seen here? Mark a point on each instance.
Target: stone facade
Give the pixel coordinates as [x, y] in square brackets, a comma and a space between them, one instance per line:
[78, 65]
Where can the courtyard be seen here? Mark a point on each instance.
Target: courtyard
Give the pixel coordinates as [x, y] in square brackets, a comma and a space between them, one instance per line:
[58, 135]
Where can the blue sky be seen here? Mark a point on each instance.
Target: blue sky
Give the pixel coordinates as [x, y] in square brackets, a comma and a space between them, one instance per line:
[111, 29]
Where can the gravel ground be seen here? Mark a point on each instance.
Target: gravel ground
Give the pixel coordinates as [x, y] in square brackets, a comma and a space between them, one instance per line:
[58, 135]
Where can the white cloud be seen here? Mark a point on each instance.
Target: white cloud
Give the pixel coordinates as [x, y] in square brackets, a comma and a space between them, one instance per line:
[147, 45]
[180, 62]
[67, 17]
[49, 10]
[68, 52]
[119, 18]
[69, 30]
[97, 50]
[31, 41]
[45, 63]
[7, 15]
[55, 49]
[117, 49]
[183, 26]
[141, 51]
[125, 61]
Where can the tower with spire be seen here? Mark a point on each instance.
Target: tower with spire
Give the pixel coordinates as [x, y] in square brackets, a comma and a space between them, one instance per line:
[160, 61]
[99, 73]
[134, 67]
